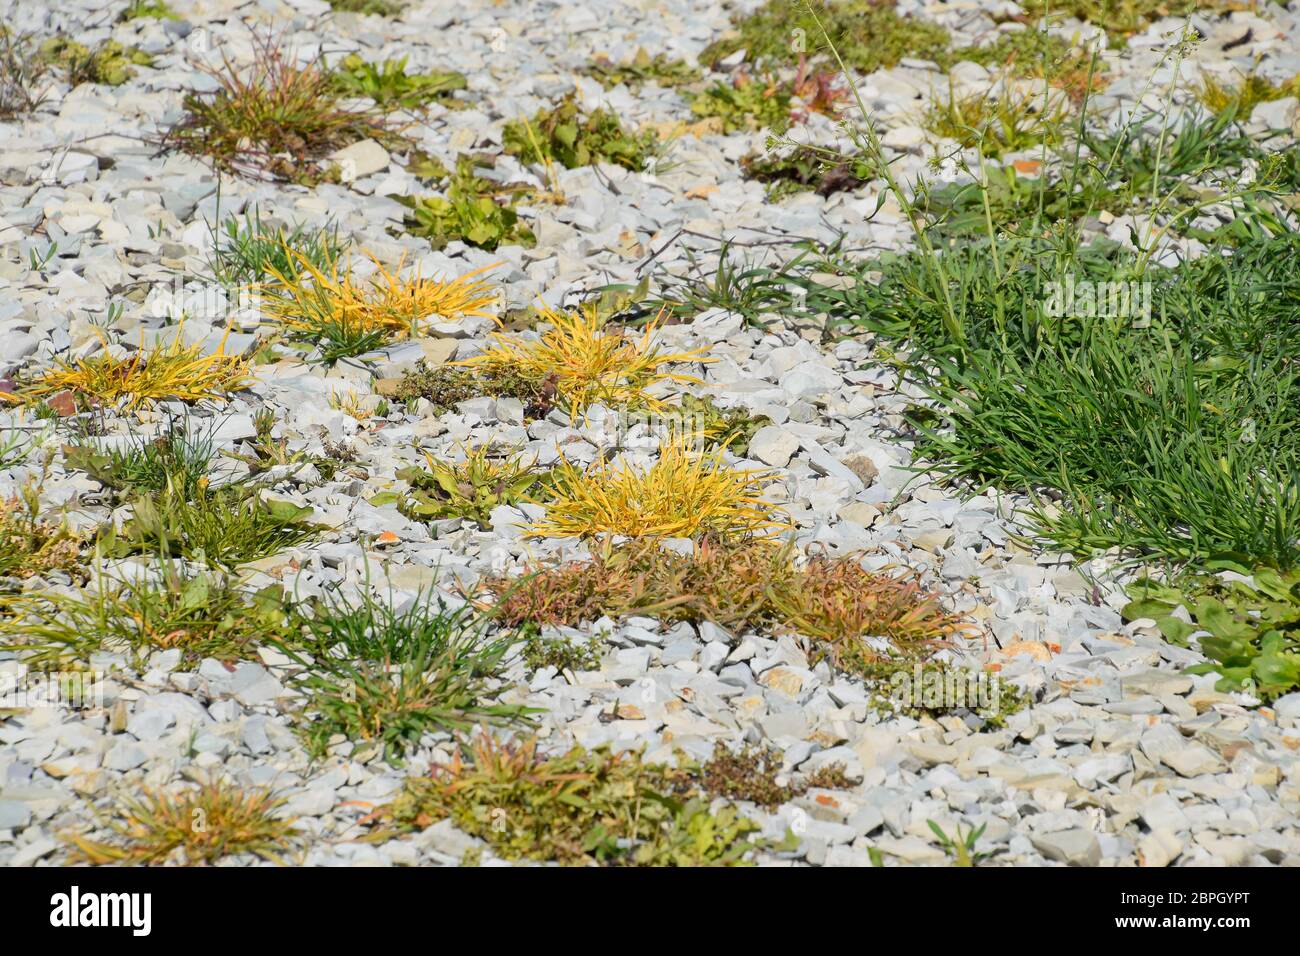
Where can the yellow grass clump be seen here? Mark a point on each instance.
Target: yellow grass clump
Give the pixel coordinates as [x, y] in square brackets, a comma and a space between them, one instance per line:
[587, 362]
[171, 371]
[1249, 91]
[313, 301]
[684, 494]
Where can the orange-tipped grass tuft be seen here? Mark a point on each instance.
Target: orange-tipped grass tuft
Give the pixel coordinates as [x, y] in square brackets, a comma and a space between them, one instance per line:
[195, 827]
[589, 363]
[684, 494]
[748, 584]
[838, 602]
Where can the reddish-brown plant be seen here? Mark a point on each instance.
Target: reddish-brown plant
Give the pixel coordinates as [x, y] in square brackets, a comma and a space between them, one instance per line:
[752, 584]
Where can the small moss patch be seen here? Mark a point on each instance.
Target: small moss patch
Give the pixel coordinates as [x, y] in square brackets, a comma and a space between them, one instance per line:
[110, 63]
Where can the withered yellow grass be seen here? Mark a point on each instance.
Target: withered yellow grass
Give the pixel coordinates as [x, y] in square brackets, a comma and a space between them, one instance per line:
[385, 302]
[171, 371]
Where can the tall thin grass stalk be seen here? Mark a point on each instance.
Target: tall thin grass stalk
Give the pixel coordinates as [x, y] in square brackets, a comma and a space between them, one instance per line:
[876, 155]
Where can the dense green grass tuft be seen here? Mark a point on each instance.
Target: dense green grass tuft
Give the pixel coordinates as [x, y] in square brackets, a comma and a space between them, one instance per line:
[1175, 438]
[388, 675]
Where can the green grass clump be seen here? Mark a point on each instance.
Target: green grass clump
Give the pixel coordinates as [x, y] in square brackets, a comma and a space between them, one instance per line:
[1249, 629]
[1123, 18]
[742, 284]
[1141, 163]
[471, 488]
[1151, 416]
[380, 674]
[248, 251]
[564, 655]
[176, 459]
[642, 69]
[1176, 174]
[273, 119]
[390, 86]
[472, 209]
[1004, 121]
[1009, 200]
[223, 527]
[1172, 439]
[564, 135]
[110, 63]
[379, 8]
[154, 9]
[200, 614]
[580, 808]
[869, 34]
